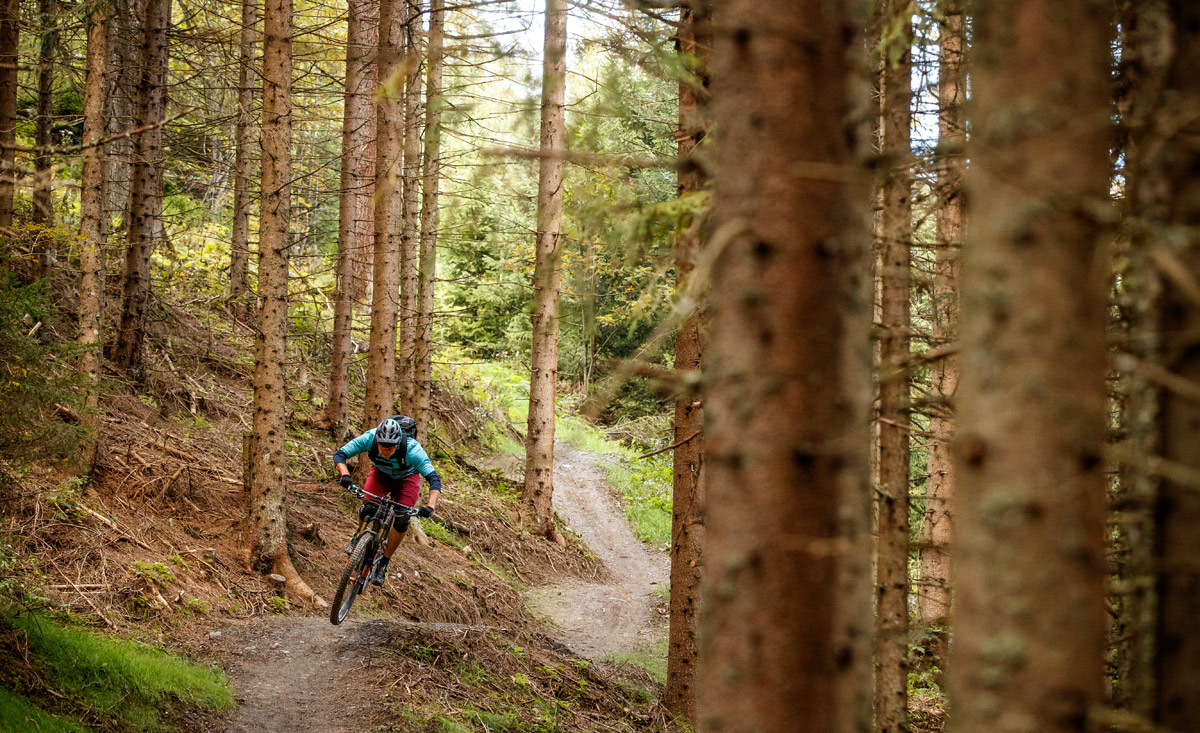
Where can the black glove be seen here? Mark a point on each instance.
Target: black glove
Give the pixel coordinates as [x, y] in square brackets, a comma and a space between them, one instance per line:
[425, 511]
[345, 481]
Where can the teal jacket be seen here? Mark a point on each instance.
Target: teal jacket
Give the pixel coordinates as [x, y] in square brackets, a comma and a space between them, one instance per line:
[412, 460]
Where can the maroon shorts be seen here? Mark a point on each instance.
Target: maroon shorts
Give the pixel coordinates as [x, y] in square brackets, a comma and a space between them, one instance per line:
[404, 490]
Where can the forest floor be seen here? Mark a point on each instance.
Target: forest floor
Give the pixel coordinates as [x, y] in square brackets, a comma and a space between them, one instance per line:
[305, 673]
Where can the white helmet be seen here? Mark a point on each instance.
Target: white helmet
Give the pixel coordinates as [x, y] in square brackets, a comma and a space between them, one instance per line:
[389, 432]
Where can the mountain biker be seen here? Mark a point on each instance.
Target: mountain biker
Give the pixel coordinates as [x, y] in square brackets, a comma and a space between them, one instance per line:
[395, 472]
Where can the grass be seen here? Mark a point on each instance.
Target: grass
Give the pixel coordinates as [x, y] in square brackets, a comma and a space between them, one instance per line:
[646, 486]
[17, 713]
[652, 658]
[121, 681]
[577, 433]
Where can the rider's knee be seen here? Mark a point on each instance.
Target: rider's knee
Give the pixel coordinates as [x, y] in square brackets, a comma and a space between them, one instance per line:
[401, 524]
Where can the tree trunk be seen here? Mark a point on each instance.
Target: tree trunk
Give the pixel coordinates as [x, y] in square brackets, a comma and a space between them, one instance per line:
[785, 632]
[268, 516]
[10, 18]
[537, 494]
[43, 198]
[694, 45]
[124, 73]
[423, 367]
[91, 226]
[410, 243]
[891, 613]
[146, 189]
[1029, 570]
[381, 366]
[933, 594]
[354, 230]
[243, 166]
[1173, 157]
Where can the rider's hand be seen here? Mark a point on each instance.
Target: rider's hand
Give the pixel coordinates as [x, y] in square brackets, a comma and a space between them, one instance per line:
[425, 511]
[345, 481]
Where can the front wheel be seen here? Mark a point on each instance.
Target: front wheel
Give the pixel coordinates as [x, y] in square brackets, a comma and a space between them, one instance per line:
[354, 579]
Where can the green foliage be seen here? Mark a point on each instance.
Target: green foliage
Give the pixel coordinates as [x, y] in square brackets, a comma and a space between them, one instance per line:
[646, 486]
[155, 572]
[67, 499]
[124, 682]
[36, 371]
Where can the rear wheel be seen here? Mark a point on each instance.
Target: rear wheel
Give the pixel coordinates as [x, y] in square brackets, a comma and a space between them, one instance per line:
[354, 579]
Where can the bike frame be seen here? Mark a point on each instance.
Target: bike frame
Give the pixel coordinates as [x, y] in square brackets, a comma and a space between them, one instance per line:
[376, 529]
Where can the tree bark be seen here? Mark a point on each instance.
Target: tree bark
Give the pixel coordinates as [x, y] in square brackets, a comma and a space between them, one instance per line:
[537, 495]
[785, 634]
[1170, 197]
[423, 366]
[891, 613]
[694, 45]
[243, 166]
[354, 230]
[268, 516]
[10, 19]
[410, 243]
[146, 189]
[124, 74]
[1029, 564]
[91, 226]
[43, 197]
[381, 366]
[933, 594]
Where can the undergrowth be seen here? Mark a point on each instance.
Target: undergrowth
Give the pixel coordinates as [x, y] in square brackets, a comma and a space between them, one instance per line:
[107, 682]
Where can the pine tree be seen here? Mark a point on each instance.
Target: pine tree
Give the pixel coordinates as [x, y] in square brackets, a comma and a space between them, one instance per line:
[10, 32]
[145, 226]
[891, 612]
[785, 632]
[537, 496]
[354, 230]
[1029, 560]
[243, 166]
[268, 515]
[381, 364]
[92, 226]
[694, 43]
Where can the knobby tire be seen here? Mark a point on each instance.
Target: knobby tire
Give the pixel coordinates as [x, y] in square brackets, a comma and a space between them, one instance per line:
[347, 589]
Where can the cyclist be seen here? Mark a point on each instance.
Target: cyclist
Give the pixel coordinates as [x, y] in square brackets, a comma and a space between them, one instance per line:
[394, 471]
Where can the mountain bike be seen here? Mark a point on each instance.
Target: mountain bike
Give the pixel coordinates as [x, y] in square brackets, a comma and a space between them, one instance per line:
[366, 548]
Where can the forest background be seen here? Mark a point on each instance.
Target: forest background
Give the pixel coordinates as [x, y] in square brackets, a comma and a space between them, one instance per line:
[207, 142]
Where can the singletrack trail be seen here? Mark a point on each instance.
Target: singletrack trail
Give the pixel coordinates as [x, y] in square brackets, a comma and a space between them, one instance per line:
[299, 674]
[601, 619]
[293, 674]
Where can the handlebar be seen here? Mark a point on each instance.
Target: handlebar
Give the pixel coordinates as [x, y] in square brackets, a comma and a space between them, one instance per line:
[385, 501]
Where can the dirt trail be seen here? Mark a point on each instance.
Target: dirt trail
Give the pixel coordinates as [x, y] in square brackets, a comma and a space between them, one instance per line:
[294, 674]
[306, 674]
[600, 619]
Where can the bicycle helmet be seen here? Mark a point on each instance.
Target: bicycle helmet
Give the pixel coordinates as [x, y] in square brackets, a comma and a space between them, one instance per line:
[389, 432]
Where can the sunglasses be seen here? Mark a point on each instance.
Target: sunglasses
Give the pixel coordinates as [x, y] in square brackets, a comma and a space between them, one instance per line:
[387, 446]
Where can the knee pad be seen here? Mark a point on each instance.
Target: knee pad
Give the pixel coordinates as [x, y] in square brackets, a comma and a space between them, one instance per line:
[367, 510]
[401, 523]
